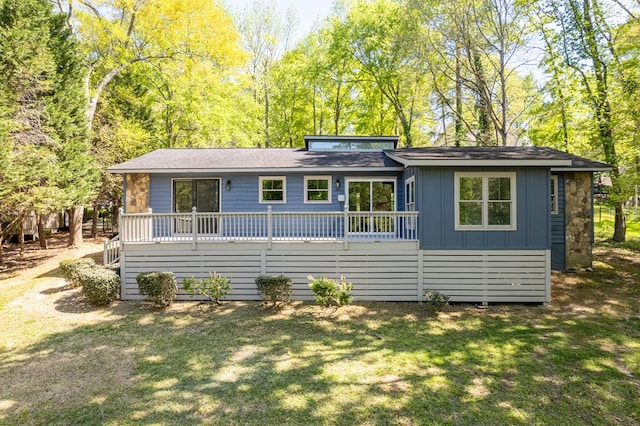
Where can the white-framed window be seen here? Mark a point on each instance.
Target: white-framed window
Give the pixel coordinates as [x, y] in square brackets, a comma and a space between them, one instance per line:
[485, 201]
[273, 189]
[317, 189]
[410, 200]
[553, 191]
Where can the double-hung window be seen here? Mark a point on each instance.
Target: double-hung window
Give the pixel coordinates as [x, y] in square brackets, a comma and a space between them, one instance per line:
[317, 189]
[485, 201]
[273, 189]
[554, 194]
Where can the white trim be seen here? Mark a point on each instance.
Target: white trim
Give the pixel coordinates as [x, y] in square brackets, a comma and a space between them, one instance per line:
[284, 189]
[245, 170]
[328, 178]
[477, 162]
[485, 200]
[554, 200]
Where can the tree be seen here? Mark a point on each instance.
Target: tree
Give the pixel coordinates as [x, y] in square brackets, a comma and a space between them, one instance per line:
[51, 166]
[584, 36]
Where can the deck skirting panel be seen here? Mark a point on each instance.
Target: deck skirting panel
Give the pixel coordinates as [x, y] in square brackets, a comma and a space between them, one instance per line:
[396, 271]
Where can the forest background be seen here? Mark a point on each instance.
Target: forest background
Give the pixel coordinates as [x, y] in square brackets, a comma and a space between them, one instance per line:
[85, 84]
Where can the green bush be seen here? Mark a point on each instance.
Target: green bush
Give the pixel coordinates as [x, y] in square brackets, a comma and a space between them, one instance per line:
[159, 287]
[70, 269]
[329, 292]
[214, 288]
[99, 284]
[274, 289]
[436, 300]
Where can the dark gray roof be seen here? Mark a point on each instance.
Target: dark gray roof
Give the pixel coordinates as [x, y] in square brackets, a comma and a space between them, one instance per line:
[246, 159]
[515, 155]
[282, 159]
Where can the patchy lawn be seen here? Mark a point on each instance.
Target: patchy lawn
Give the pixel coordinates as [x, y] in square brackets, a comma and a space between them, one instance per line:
[574, 362]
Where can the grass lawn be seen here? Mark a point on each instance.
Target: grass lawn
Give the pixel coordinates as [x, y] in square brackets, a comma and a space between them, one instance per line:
[576, 361]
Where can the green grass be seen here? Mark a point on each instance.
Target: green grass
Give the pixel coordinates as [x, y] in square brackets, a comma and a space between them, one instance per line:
[574, 362]
[604, 219]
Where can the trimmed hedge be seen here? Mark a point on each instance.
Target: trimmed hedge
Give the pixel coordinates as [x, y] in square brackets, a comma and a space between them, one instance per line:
[159, 287]
[100, 285]
[328, 292]
[274, 289]
[71, 268]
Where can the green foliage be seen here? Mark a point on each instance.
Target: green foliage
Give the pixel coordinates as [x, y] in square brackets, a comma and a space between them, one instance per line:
[330, 292]
[436, 300]
[99, 284]
[214, 288]
[71, 269]
[159, 287]
[274, 289]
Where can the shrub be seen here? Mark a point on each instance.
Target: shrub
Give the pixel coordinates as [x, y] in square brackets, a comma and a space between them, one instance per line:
[436, 300]
[159, 287]
[99, 284]
[274, 289]
[328, 292]
[214, 288]
[70, 269]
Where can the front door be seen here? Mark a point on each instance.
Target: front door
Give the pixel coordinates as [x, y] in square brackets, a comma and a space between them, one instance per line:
[204, 195]
[370, 196]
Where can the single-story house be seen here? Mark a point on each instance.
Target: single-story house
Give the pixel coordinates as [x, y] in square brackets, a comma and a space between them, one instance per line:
[480, 224]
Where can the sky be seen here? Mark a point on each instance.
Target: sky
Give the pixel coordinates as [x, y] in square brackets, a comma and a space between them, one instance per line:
[308, 11]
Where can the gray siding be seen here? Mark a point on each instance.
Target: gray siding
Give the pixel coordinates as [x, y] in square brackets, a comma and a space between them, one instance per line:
[435, 201]
[379, 271]
[558, 230]
[244, 195]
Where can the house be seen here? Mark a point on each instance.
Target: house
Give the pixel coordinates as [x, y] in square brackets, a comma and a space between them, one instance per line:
[478, 224]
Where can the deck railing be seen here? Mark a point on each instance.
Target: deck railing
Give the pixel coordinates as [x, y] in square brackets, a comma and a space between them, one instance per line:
[111, 252]
[268, 226]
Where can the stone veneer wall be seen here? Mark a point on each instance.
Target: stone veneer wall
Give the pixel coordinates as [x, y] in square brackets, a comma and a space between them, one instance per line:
[137, 193]
[579, 220]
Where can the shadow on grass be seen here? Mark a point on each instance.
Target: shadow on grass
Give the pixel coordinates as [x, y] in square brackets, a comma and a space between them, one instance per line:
[374, 363]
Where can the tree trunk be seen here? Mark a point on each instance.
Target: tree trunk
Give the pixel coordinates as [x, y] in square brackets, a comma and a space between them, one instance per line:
[1, 241]
[75, 226]
[21, 238]
[42, 235]
[620, 229]
[94, 222]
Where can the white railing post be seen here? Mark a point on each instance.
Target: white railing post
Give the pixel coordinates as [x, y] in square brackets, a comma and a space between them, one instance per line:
[194, 227]
[121, 226]
[346, 227]
[269, 227]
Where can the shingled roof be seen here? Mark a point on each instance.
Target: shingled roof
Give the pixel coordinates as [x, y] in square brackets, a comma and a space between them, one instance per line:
[290, 160]
[252, 159]
[493, 156]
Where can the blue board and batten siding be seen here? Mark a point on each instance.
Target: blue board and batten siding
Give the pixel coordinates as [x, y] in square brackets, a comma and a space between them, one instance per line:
[435, 200]
[558, 229]
[244, 193]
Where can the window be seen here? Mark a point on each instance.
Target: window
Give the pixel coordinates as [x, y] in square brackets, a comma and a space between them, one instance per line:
[273, 189]
[553, 190]
[317, 189]
[485, 201]
[204, 195]
[371, 195]
[410, 199]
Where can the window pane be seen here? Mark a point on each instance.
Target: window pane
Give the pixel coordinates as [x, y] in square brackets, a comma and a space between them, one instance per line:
[359, 196]
[383, 196]
[471, 188]
[272, 184]
[183, 196]
[273, 195]
[206, 195]
[500, 188]
[499, 213]
[470, 213]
